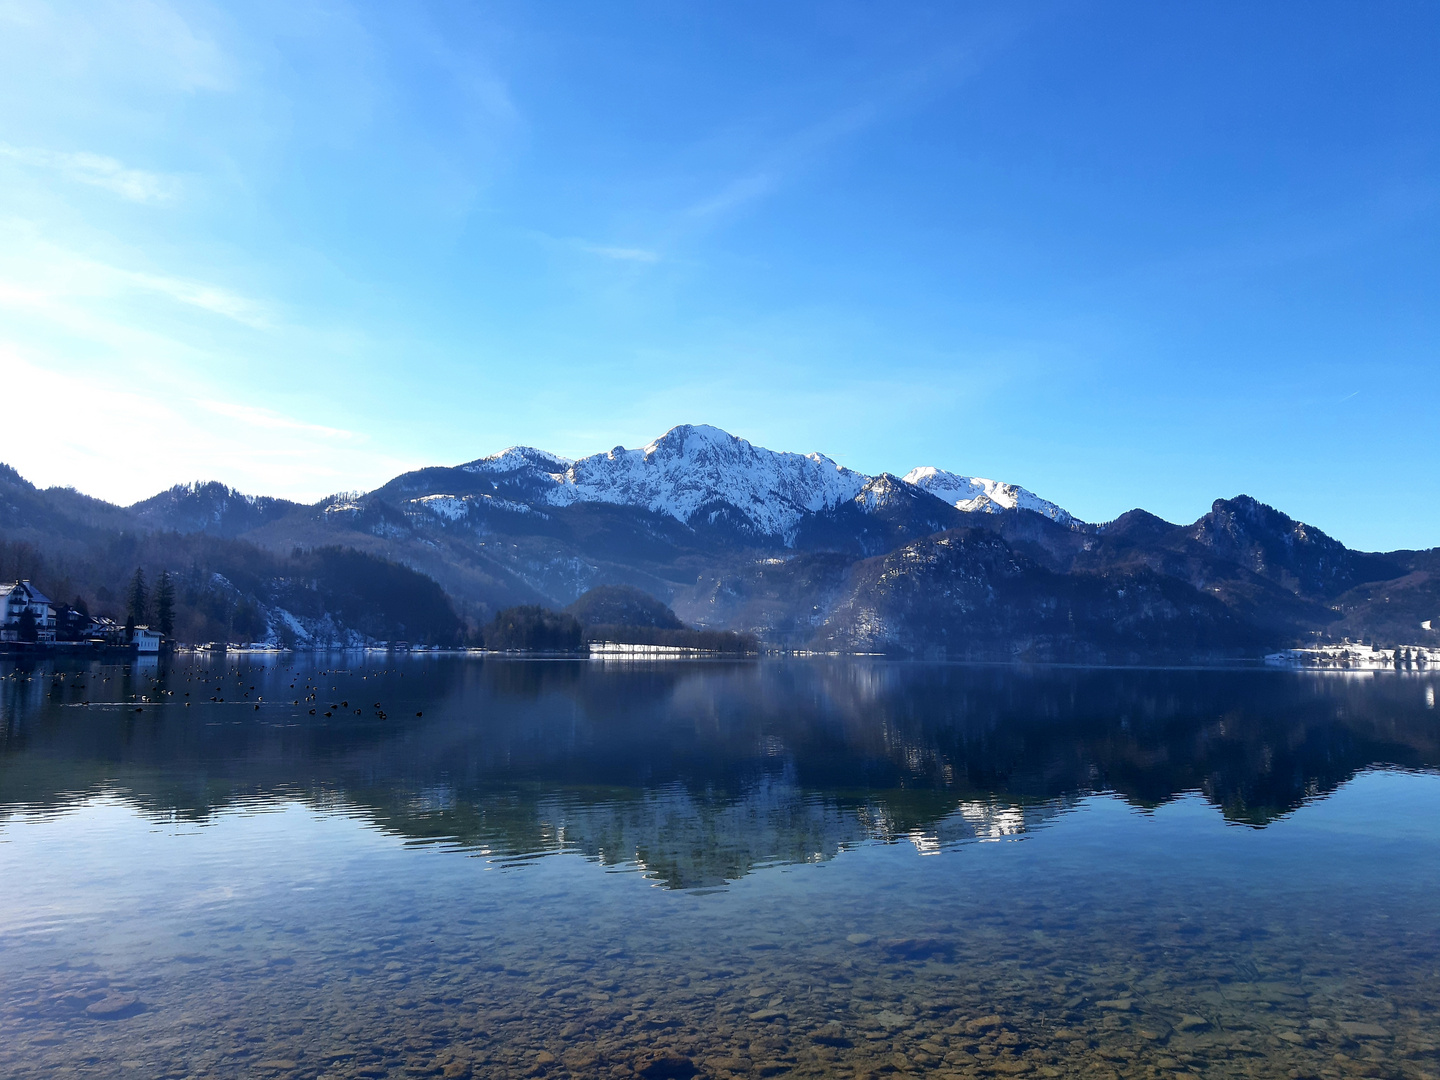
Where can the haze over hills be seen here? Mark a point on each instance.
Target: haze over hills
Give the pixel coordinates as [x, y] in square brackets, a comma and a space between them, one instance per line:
[799, 551]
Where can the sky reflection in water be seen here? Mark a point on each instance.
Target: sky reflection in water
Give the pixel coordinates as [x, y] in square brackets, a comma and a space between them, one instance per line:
[1222, 872]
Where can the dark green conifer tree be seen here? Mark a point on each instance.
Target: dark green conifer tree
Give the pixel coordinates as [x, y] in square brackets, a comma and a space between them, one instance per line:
[165, 604]
[139, 600]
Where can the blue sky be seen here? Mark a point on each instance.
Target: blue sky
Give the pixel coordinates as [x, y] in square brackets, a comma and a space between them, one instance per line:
[1123, 254]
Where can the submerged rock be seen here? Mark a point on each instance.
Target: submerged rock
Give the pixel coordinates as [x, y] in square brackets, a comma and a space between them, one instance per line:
[1360, 1030]
[665, 1065]
[115, 1007]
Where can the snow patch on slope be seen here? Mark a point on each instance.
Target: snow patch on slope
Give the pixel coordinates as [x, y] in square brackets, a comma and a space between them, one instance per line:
[975, 494]
[455, 507]
[450, 507]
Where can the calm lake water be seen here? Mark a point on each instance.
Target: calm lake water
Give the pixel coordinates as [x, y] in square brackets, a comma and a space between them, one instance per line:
[808, 868]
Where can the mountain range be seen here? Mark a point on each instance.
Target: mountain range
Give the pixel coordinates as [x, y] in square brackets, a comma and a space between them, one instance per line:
[802, 552]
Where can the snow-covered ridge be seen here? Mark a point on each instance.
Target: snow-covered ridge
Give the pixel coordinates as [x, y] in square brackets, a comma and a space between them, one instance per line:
[975, 494]
[692, 467]
[524, 459]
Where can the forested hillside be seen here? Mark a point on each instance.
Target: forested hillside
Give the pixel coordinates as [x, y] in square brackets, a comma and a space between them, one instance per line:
[220, 589]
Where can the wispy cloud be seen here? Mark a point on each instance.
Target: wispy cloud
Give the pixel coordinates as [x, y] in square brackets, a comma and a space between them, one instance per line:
[270, 420]
[624, 254]
[794, 152]
[97, 170]
[199, 294]
[737, 192]
[197, 434]
[618, 252]
[43, 277]
[146, 42]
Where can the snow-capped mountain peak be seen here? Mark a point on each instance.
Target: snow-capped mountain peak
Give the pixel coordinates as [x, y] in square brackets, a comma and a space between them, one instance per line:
[975, 494]
[694, 437]
[695, 465]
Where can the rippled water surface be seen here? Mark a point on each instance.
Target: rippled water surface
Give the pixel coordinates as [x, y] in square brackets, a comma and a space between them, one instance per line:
[506, 868]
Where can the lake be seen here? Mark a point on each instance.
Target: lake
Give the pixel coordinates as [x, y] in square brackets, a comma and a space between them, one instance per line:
[370, 865]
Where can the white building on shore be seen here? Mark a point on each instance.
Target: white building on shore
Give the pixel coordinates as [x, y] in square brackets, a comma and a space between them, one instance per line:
[16, 599]
[145, 640]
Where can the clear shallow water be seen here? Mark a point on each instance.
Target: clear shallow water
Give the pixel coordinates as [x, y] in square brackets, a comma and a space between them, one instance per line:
[568, 868]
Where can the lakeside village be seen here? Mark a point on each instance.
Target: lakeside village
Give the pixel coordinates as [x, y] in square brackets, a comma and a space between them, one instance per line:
[1356, 656]
[31, 623]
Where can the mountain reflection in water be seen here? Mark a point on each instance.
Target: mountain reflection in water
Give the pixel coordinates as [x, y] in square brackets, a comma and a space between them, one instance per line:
[695, 773]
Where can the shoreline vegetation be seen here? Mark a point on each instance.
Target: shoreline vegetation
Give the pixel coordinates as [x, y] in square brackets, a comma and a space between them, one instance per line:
[611, 620]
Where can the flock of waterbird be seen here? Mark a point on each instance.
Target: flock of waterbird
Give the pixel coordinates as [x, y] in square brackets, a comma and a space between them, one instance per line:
[240, 692]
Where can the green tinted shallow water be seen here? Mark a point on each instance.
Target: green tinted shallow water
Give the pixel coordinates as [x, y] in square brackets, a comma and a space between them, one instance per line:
[764, 869]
